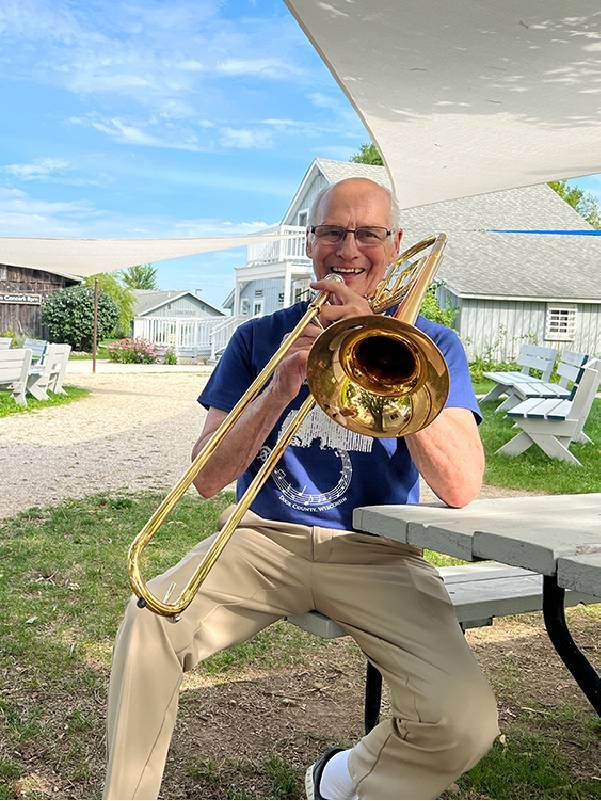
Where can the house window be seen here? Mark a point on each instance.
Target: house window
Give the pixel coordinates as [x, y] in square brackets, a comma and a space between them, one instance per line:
[257, 308]
[302, 218]
[280, 298]
[258, 293]
[300, 289]
[560, 322]
[245, 307]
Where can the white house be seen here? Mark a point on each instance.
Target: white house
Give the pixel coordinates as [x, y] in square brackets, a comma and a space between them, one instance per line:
[176, 319]
[506, 288]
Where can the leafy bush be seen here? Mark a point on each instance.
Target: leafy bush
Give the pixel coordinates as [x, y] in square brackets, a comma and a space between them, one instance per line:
[431, 309]
[17, 339]
[170, 357]
[69, 315]
[133, 351]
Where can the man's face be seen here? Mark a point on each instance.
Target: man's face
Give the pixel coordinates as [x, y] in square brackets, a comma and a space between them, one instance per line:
[354, 203]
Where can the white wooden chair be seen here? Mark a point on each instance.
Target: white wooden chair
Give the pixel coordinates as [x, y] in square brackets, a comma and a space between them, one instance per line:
[570, 372]
[5, 342]
[530, 357]
[14, 369]
[49, 376]
[38, 349]
[552, 423]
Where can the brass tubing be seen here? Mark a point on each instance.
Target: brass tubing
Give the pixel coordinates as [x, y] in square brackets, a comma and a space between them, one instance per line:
[212, 555]
[136, 548]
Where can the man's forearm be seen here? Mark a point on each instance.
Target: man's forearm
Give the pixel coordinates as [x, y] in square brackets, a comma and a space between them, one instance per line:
[240, 445]
[448, 454]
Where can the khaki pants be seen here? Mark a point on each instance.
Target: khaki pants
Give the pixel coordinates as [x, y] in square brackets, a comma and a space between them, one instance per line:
[388, 599]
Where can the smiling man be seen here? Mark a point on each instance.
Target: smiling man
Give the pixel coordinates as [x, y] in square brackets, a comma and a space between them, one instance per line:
[295, 550]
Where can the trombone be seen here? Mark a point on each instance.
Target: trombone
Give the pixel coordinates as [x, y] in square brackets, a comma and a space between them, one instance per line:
[376, 375]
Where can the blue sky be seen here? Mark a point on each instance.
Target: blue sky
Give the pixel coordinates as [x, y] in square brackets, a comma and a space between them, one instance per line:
[162, 119]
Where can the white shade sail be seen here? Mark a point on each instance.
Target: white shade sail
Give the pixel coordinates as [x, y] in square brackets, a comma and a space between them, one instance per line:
[82, 257]
[468, 96]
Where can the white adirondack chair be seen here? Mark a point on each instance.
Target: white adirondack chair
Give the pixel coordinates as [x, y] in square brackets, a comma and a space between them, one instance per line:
[14, 369]
[49, 376]
[5, 342]
[552, 423]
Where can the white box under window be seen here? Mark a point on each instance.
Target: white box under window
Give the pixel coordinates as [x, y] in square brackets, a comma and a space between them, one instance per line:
[560, 322]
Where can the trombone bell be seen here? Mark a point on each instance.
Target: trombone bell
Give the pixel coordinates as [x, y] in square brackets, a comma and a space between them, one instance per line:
[378, 376]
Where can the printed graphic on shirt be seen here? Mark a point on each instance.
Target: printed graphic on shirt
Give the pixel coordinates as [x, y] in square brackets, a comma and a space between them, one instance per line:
[336, 442]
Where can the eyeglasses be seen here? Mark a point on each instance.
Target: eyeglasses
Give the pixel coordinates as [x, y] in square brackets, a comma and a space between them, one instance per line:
[366, 236]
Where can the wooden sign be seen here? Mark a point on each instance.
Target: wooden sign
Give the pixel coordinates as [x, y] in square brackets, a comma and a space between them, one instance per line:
[30, 298]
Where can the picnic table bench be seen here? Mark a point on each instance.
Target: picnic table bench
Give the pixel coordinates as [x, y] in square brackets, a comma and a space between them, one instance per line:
[49, 374]
[524, 387]
[546, 553]
[38, 349]
[530, 357]
[552, 423]
[14, 370]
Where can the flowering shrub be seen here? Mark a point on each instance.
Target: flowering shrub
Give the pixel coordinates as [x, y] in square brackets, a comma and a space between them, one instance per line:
[133, 350]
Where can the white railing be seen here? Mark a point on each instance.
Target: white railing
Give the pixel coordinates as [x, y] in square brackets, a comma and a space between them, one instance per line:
[289, 245]
[222, 334]
[189, 336]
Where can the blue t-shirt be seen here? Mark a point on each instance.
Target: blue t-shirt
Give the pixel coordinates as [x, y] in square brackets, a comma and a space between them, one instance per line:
[327, 471]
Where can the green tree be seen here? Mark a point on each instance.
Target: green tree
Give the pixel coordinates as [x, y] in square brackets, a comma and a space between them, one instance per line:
[369, 154]
[69, 315]
[585, 203]
[140, 276]
[123, 298]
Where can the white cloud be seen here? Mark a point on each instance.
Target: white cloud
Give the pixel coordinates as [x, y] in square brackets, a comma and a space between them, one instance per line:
[208, 227]
[245, 138]
[276, 69]
[126, 133]
[36, 170]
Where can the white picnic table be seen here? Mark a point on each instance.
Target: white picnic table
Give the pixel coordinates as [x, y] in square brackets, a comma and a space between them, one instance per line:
[555, 536]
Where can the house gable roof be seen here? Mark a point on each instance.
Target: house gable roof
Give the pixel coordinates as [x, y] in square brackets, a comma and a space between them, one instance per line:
[147, 300]
[480, 263]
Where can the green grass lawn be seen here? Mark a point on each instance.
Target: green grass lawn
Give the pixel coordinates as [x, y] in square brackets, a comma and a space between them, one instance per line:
[8, 405]
[533, 470]
[102, 352]
[63, 590]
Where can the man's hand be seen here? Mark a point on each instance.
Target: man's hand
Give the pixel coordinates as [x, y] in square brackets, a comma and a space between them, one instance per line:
[292, 370]
[343, 302]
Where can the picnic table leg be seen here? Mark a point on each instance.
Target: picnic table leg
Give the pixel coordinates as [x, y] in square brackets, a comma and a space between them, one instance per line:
[576, 662]
[373, 696]
[494, 393]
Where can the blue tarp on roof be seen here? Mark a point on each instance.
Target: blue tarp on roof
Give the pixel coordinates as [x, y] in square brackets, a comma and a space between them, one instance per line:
[562, 232]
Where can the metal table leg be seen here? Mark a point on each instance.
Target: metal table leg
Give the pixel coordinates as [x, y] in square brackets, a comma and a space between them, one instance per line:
[373, 697]
[576, 662]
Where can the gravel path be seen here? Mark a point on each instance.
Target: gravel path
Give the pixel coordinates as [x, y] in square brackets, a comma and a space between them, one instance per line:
[134, 432]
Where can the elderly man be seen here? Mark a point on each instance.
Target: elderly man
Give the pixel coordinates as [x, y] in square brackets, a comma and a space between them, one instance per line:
[296, 551]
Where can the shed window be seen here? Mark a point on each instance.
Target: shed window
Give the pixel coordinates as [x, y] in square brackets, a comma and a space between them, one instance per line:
[560, 322]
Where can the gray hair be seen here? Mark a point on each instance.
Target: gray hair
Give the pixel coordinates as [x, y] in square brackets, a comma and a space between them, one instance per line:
[395, 215]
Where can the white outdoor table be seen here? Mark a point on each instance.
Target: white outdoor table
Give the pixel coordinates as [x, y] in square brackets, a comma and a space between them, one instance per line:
[557, 536]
